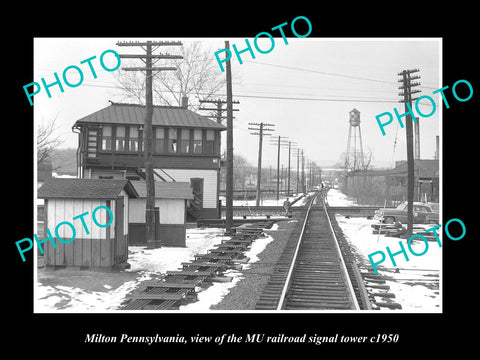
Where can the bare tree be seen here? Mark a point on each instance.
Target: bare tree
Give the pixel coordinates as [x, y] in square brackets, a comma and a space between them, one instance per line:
[47, 142]
[357, 162]
[241, 169]
[197, 75]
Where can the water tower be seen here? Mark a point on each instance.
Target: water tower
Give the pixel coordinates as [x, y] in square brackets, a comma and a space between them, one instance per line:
[354, 155]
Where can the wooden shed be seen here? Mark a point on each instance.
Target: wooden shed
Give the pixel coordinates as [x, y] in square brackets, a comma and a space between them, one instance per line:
[171, 202]
[93, 245]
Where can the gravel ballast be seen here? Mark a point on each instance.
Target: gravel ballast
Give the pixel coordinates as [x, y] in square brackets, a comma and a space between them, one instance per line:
[246, 293]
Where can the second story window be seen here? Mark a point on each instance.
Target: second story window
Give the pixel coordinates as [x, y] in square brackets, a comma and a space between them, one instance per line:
[210, 142]
[133, 140]
[185, 142]
[172, 140]
[159, 140]
[197, 141]
[107, 138]
[120, 139]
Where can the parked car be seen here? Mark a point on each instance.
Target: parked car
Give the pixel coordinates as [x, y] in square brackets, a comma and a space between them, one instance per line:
[434, 217]
[399, 214]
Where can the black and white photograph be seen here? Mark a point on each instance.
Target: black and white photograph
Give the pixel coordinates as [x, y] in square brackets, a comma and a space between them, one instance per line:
[318, 190]
[270, 183]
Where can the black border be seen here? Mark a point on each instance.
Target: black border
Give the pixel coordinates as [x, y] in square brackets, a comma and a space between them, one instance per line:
[47, 333]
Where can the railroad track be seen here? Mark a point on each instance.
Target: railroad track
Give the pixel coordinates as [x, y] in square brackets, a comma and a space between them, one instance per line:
[312, 273]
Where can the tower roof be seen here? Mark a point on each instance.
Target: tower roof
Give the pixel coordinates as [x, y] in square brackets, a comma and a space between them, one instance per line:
[133, 114]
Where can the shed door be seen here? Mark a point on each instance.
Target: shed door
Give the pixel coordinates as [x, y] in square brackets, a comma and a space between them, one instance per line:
[120, 245]
[197, 188]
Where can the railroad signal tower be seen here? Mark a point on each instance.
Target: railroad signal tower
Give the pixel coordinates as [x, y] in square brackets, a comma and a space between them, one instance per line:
[354, 159]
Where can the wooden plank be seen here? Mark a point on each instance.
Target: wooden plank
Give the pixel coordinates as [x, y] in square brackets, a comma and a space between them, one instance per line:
[162, 296]
[136, 304]
[165, 305]
[68, 232]
[59, 217]
[171, 285]
[69, 253]
[96, 252]
[204, 264]
[213, 256]
[87, 252]
[106, 249]
[105, 253]
[191, 273]
[239, 241]
[81, 233]
[78, 252]
[224, 251]
[241, 247]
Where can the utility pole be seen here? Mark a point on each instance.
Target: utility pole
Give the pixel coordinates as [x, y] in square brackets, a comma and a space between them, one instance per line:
[148, 131]
[298, 170]
[288, 144]
[260, 132]
[304, 190]
[417, 139]
[407, 86]
[219, 109]
[229, 172]
[278, 143]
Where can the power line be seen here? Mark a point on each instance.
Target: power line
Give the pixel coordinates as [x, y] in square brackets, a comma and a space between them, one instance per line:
[346, 99]
[331, 74]
[322, 72]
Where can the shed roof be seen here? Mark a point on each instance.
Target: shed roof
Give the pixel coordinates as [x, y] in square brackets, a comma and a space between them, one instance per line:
[133, 114]
[61, 188]
[165, 190]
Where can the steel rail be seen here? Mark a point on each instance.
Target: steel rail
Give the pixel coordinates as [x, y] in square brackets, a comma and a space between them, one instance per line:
[342, 261]
[290, 270]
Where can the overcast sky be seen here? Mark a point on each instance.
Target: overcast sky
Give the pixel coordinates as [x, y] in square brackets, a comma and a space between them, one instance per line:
[305, 88]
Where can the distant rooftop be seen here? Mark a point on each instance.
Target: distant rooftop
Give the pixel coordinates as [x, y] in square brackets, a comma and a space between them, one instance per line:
[428, 168]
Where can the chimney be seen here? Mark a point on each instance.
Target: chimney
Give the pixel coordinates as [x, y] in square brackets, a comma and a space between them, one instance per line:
[437, 148]
[185, 102]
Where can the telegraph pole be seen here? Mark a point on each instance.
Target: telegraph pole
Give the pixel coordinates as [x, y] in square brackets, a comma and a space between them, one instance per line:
[407, 86]
[281, 141]
[304, 189]
[229, 172]
[289, 156]
[219, 108]
[148, 131]
[290, 144]
[298, 169]
[260, 134]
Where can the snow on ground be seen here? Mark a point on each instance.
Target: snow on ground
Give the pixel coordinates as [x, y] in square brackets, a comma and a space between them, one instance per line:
[48, 298]
[161, 260]
[215, 293]
[336, 198]
[414, 285]
[148, 264]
